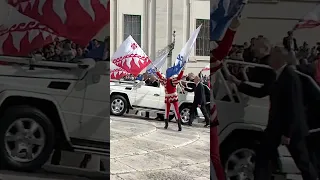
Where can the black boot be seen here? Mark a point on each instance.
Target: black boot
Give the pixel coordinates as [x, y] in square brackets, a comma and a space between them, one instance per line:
[166, 123]
[179, 125]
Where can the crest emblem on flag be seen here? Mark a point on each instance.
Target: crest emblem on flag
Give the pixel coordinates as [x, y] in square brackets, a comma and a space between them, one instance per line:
[134, 46]
[131, 57]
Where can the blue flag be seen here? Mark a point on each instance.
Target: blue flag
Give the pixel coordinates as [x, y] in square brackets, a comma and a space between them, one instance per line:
[221, 16]
[176, 68]
[159, 62]
[184, 54]
[139, 77]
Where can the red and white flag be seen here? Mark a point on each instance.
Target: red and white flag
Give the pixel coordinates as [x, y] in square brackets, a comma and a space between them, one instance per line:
[131, 57]
[206, 68]
[76, 20]
[20, 34]
[311, 20]
[117, 72]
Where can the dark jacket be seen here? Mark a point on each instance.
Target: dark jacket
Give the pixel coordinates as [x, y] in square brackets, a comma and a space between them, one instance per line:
[199, 94]
[287, 114]
[154, 83]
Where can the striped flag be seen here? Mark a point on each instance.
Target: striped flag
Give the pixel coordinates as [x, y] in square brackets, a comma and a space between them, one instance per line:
[214, 113]
[213, 107]
[311, 20]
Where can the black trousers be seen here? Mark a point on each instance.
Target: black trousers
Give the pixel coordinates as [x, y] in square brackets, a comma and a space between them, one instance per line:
[267, 153]
[314, 150]
[204, 111]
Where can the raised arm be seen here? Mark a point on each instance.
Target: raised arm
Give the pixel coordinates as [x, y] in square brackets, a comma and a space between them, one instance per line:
[160, 76]
[218, 54]
[224, 47]
[180, 75]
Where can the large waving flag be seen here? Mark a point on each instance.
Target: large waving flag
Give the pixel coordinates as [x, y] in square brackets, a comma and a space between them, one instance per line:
[117, 72]
[311, 20]
[221, 14]
[76, 20]
[159, 62]
[28, 25]
[184, 54]
[20, 34]
[131, 57]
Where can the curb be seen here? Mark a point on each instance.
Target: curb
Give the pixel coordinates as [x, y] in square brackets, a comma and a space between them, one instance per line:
[94, 175]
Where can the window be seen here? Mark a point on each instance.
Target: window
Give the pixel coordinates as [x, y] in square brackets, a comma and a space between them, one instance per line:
[132, 26]
[203, 39]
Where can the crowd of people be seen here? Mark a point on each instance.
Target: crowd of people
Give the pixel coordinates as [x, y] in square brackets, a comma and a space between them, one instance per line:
[68, 51]
[305, 56]
[205, 79]
[302, 52]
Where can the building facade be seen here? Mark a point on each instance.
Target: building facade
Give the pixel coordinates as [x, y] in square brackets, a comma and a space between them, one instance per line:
[152, 22]
[274, 18]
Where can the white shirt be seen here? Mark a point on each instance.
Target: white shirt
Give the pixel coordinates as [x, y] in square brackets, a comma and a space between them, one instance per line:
[279, 71]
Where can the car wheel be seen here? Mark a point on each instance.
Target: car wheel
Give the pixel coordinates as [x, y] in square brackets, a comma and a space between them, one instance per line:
[27, 138]
[119, 105]
[238, 161]
[185, 114]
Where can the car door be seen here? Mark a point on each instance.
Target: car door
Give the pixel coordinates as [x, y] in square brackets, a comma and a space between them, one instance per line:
[95, 121]
[162, 105]
[69, 93]
[146, 97]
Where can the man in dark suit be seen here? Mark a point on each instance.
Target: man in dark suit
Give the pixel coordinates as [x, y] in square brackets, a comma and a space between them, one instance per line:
[287, 119]
[289, 42]
[153, 81]
[198, 101]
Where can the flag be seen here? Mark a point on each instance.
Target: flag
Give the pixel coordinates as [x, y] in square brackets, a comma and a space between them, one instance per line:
[131, 57]
[159, 62]
[76, 20]
[116, 72]
[311, 20]
[221, 15]
[139, 77]
[20, 34]
[184, 54]
[206, 68]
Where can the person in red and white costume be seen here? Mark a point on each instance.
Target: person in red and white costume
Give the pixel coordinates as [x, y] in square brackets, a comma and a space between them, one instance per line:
[219, 52]
[171, 96]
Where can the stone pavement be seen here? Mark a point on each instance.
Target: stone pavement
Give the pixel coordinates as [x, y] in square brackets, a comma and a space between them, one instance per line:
[143, 150]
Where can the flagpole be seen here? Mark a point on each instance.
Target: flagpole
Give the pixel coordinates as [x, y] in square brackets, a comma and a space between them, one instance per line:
[170, 46]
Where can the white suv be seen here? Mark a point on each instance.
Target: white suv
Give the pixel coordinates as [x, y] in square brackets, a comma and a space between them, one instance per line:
[44, 105]
[138, 96]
